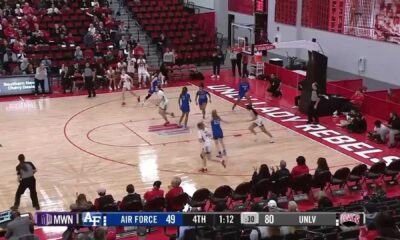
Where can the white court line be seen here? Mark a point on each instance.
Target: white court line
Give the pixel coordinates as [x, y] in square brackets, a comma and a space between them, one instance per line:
[212, 91]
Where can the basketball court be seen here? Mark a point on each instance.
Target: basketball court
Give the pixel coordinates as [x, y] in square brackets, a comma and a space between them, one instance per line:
[80, 144]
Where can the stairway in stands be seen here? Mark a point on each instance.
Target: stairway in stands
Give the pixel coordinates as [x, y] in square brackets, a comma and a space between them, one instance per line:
[135, 30]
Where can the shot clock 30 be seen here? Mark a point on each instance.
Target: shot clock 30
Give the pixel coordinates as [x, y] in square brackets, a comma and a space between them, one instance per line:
[227, 219]
[249, 218]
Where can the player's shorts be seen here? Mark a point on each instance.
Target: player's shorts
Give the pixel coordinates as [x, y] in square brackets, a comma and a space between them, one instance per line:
[259, 122]
[218, 135]
[207, 148]
[163, 106]
[201, 102]
[152, 90]
[127, 86]
[185, 109]
[242, 95]
[143, 74]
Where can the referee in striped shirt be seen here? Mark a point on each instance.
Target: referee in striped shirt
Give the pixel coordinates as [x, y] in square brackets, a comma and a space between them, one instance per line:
[25, 172]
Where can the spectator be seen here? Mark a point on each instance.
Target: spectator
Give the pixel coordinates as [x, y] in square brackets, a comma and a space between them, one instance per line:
[161, 43]
[323, 201]
[28, 10]
[393, 97]
[322, 166]
[355, 103]
[394, 128]
[19, 226]
[89, 39]
[40, 77]
[56, 31]
[386, 226]
[66, 81]
[21, 56]
[380, 132]
[262, 174]
[275, 86]
[301, 167]
[70, 40]
[18, 10]
[154, 193]
[138, 51]
[92, 29]
[98, 53]
[16, 70]
[47, 64]
[53, 10]
[233, 57]
[81, 204]
[280, 171]
[78, 54]
[169, 57]
[131, 197]
[103, 202]
[174, 191]
[121, 56]
[123, 43]
[24, 66]
[290, 231]
[217, 60]
[109, 58]
[8, 58]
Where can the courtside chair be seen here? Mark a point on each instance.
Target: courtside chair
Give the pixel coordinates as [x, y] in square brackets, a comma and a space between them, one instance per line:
[375, 172]
[132, 206]
[261, 190]
[321, 179]
[199, 199]
[392, 171]
[155, 205]
[339, 178]
[221, 195]
[180, 200]
[241, 195]
[303, 184]
[356, 176]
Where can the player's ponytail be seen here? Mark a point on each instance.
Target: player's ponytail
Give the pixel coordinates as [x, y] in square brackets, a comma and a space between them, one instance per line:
[184, 91]
[215, 115]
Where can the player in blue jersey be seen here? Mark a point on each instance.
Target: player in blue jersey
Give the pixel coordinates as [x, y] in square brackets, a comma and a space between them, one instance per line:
[154, 86]
[218, 134]
[244, 88]
[202, 98]
[184, 104]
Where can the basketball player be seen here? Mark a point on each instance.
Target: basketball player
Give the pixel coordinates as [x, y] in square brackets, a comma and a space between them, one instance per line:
[163, 105]
[184, 104]
[218, 134]
[143, 74]
[111, 78]
[154, 86]
[257, 122]
[204, 138]
[126, 82]
[244, 88]
[130, 69]
[202, 99]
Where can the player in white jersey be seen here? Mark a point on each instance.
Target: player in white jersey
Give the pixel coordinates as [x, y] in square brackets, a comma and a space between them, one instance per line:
[143, 74]
[163, 106]
[110, 74]
[130, 69]
[126, 82]
[205, 139]
[257, 122]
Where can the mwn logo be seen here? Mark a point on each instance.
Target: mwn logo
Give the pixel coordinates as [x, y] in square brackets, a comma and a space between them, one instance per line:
[63, 220]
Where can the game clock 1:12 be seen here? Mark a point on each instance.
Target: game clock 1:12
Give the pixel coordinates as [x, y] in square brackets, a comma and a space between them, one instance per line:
[227, 219]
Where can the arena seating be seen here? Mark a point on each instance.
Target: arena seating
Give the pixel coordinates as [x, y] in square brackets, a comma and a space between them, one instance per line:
[171, 18]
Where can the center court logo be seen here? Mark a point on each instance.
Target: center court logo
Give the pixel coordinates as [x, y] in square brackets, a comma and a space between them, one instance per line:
[93, 219]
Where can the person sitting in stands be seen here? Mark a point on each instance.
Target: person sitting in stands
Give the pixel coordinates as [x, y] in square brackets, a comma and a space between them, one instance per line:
[394, 128]
[301, 167]
[380, 132]
[322, 166]
[81, 204]
[174, 190]
[154, 193]
[386, 226]
[275, 86]
[104, 202]
[355, 122]
[280, 171]
[128, 199]
[355, 103]
[78, 54]
[324, 201]
[262, 174]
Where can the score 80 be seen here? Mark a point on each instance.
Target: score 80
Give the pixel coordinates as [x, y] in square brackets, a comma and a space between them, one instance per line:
[269, 219]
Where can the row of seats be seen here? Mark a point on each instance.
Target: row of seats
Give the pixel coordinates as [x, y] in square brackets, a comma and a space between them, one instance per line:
[153, 3]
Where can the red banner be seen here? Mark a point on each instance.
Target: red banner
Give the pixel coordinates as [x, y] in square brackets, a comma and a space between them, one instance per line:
[241, 6]
[263, 47]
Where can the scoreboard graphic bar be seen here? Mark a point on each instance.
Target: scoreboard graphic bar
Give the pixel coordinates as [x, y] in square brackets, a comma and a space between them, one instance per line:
[197, 219]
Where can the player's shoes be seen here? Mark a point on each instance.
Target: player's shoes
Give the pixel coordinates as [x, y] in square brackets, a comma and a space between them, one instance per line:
[203, 170]
[138, 99]
[223, 163]
[224, 152]
[172, 115]
[123, 104]
[219, 155]
[166, 123]
[272, 140]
